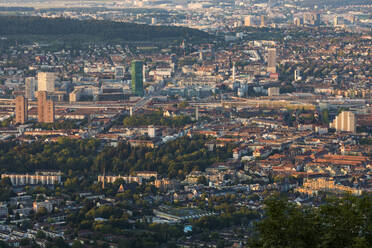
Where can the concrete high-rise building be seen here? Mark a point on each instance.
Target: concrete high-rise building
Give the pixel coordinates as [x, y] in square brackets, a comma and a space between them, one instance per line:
[45, 108]
[30, 87]
[46, 81]
[21, 108]
[137, 77]
[248, 21]
[271, 60]
[263, 21]
[345, 121]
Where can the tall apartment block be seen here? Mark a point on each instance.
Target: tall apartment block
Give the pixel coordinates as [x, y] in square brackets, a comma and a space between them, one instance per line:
[263, 21]
[248, 21]
[46, 81]
[345, 121]
[30, 87]
[21, 108]
[271, 60]
[45, 108]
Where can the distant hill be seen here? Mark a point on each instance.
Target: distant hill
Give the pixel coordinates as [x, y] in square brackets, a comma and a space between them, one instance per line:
[333, 3]
[107, 30]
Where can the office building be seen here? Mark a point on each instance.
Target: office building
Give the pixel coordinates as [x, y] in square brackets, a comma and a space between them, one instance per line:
[345, 121]
[46, 81]
[137, 77]
[45, 108]
[30, 87]
[271, 60]
[21, 107]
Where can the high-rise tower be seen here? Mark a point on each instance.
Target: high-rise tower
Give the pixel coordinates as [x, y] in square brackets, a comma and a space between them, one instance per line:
[271, 60]
[30, 86]
[46, 81]
[45, 108]
[345, 121]
[137, 77]
[21, 108]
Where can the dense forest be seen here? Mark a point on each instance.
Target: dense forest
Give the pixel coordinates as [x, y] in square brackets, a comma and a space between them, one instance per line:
[345, 222]
[156, 118]
[333, 3]
[107, 30]
[173, 159]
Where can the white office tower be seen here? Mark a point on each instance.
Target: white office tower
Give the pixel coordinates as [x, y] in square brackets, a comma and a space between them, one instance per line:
[345, 121]
[46, 81]
[30, 87]
[271, 60]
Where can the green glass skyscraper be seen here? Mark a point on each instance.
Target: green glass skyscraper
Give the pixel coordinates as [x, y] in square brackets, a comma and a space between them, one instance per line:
[137, 77]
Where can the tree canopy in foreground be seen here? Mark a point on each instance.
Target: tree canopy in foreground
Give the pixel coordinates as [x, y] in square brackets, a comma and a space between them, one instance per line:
[345, 222]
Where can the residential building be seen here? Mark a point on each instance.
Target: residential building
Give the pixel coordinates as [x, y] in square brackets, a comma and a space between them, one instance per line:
[46, 81]
[345, 121]
[263, 21]
[248, 21]
[37, 206]
[151, 131]
[30, 87]
[271, 60]
[273, 91]
[21, 108]
[45, 178]
[45, 108]
[297, 75]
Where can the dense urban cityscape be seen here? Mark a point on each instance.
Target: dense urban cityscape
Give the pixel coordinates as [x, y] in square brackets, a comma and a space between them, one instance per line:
[186, 123]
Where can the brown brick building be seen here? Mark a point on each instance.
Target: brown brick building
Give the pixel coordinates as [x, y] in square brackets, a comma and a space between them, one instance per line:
[21, 107]
[45, 108]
